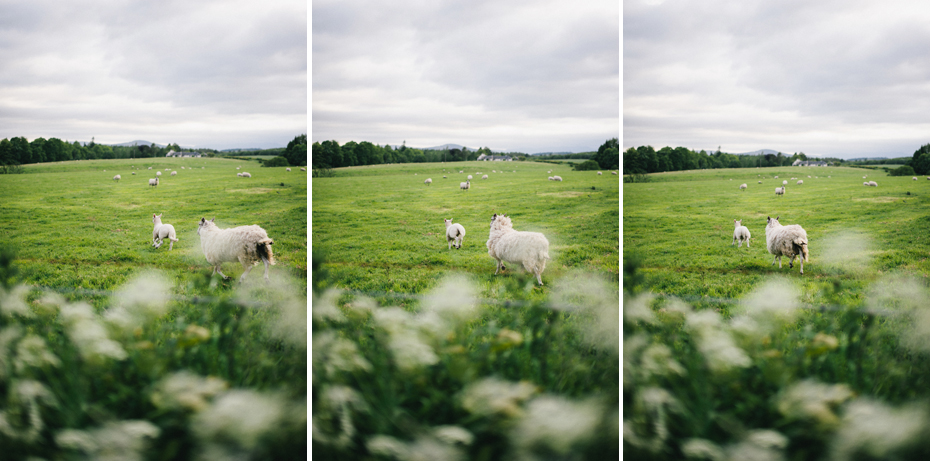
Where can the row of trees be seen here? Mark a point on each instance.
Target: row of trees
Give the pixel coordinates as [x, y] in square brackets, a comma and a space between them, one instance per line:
[329, 154]
[19, 151]
[645, 159]
[921, 160]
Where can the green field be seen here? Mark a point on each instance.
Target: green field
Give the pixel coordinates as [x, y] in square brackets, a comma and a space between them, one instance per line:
[729, 357]
[422, 352]
[110, 346]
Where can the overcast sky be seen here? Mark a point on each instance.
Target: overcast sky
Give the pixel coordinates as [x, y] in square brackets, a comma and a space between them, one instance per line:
[529, 76]
[827, 78]
[217, 74]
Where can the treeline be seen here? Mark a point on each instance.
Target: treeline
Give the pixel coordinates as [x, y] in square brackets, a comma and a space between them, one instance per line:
[329, 154]
[645, 159]
[19, 151]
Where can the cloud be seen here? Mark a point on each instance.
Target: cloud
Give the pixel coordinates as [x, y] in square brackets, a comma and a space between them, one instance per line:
[827, 78]
[206, 73]
[480, 73]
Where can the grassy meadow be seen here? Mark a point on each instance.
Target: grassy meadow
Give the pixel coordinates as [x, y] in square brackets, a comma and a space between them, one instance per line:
[422, 352]
[729, 357]
[110, 346]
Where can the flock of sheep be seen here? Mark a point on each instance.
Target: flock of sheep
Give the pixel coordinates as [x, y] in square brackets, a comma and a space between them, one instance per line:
[249, 245]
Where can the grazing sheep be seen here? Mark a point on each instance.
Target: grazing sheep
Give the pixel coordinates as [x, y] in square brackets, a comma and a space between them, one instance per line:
[866, 183]
[556, 178]
[239, 175]
[444, 177]
[246, 175]
[740, 233]
[914, 178]
[455, 234]
[760, 182]
[469, 177]
[776, 177]
[786, 241]
[780, 190]
[484, 177]
[612, 172]
[174, 173]
[599, 173]
[428, 181]
[117, 178]
[153, 182]
[784, 183]
[873, 183]
[150, 168]
[158, 173]
[800, 181]
[465, 185]
[162, 231]
[287, 169]
[303, 169]
[531, 249]
[132, 173]
[743, 186]
[246, 244]
[550, 178]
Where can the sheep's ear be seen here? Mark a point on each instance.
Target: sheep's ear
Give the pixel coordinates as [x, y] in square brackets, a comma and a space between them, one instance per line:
[214, 219]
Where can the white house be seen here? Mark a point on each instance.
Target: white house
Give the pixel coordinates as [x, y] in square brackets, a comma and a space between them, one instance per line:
[495, 158]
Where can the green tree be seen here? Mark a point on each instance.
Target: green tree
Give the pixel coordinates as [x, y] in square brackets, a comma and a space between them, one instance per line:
[276, 161]
[586, 165]
[904, 170]
[348, 154]
[6, 153]
[921, 160]
[608, 155]
[296, 151]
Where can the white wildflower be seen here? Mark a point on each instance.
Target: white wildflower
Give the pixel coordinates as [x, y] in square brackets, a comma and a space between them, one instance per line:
[407, 342]
[811, 399]
[873, 430]
[142, 299]
[453, 435]
[119, 441]
[431, 448]
[32, 352]
[657, 361]
[454, 300]
[632, 347]
[492, 396]
[759, 445]
[333, 415]
[556, 423]
[324, 307]
[848, 251]
[595, 306]
[637, 309]
[8, 336]
[14, 301]
[239, 415]
[288, 306]
[186, 390]
[702, 449]
[773, 303]
[715, 342]
[333, 354]
[897, 293]
[385, 445]
[21, 418]
[87, 333]
[411, 352]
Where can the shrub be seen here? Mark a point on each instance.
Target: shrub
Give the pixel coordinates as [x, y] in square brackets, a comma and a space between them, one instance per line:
[276, 161]
[586, 165]
[905, 170]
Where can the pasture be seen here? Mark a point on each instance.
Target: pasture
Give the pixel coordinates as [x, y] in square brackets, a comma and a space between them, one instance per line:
[112, 346]
[422, 352]
[729, 357]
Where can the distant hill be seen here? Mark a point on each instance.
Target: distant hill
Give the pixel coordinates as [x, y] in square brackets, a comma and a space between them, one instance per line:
[137, 142]
[760, 152]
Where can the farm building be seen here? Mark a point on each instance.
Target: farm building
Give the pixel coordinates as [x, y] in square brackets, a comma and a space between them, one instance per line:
[808, 163]
[495, 158]
[172, 153]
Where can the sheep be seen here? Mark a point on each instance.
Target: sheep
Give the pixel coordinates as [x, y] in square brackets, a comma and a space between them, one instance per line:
[455, 234]
[484, 177]
[740, 233]
[599, 173]
[161, 232]
[465, 185]
[866, 183]
[612, 172]
[743, 186]
[303, 169]
[784, 183]
[776, 177]
[150, 168]
[153, 182]
[158, 173]
[556, 178]
[873, 183]
[247, 244]
[780, 190]
[444, 177]
[117, 178]
[469, 177]
[914, 178]
[287, 169]
[132, 173]
[800, 181]
[550, 178]
[531, 249]
[786, 241]
[760, 182]
[246, 175]
[239, 175]
[428, 181]
[174, 173]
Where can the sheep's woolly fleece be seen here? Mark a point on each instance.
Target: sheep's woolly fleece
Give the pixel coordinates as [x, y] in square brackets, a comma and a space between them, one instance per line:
[531, 249]
[788, 241]
[246, 244]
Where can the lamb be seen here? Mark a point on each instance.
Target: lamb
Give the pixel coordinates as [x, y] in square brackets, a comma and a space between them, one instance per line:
[556, 178]
[455, 234]
[531, 249]
[786, 241]
[465, 185]
[153, 182]
[743, 186]
[740, 233]
[246, 244]
[117, 178]
[780, 190]
[428, 181]
[800, 181]
[162, 231]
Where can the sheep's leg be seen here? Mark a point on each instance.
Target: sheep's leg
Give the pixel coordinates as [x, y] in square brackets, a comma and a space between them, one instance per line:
[791, 262]
[266, 268]
[216, 270]
[499, 266]
[801, 261]
[244, 274]
[170, 244]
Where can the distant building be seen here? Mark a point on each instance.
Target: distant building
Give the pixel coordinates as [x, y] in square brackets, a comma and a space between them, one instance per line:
[495, 158]
[172, 153]
[808, 163]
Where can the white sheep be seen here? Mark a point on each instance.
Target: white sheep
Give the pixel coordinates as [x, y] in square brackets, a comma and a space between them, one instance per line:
[287, 169]
[873, 183]
[800, 181]
[612, 172]
[153, 182]
[117, 178]
[914, 178]
[428, 181]
[740, 233]
[161, 232]
[132, 173]
[247, 244]
[469, 177]
[599, 173]
[455, 234]
[303, 169]
[246, 175]
[776, 177]
[174, 173]
[760, 182]
[786, 241]
[784, 183]
[150, 168]
[556, 178]
[550, 178]
[484, 177]
[531, 249]
[444, 177]
[239, 175]
[465, 185]
[865, 183]
[743, 186]
[158, 173]
[780, 190]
